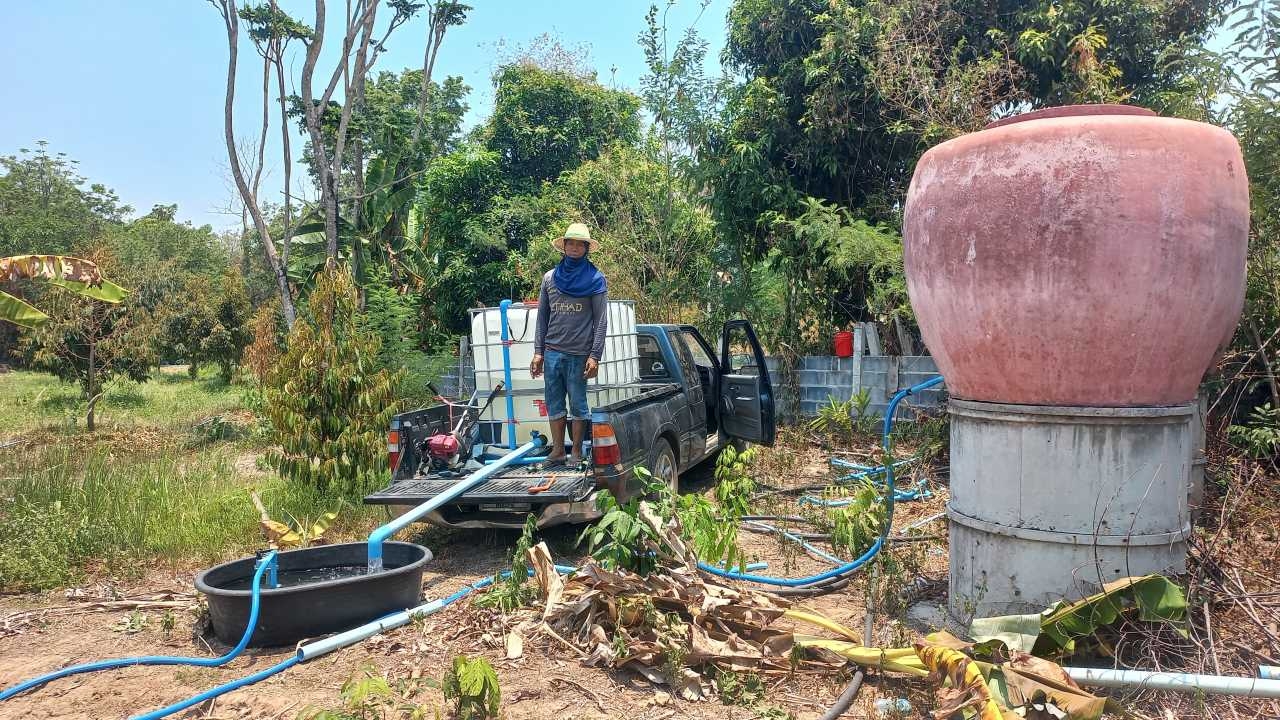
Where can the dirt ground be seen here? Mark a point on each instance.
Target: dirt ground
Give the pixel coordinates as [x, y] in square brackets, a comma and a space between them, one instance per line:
[37, 635]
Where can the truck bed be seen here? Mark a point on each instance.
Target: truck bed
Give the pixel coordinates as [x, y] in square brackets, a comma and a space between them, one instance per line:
[511, 486]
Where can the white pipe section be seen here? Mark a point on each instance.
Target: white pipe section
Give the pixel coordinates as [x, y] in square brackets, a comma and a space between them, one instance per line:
[336, 642]
[1270, 672]
[1178, 682]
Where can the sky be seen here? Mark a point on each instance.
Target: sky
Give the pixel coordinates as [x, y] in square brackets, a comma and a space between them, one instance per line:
[134, 90]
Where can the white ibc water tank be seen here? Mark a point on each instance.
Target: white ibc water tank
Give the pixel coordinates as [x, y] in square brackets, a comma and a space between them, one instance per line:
[619, 364]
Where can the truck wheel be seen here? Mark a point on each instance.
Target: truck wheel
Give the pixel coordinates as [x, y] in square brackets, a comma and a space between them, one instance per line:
[664, 467]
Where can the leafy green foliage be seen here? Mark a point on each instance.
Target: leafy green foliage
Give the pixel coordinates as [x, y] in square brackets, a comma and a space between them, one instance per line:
[734, 483]
[513, 591]
[844, 419]
[545, 122]
[657, 238]
[473, 686]
[88, 341]
[328, 403]
[201, 324]
[619, 539]
[808, 165]
[1260, 438]
[745, 689]
[393, 316]
[852, 527]
[42, 546]
[369, 695]
[47, 207]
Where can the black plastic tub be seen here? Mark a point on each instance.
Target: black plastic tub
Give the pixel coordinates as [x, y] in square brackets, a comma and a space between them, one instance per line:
[304, 606]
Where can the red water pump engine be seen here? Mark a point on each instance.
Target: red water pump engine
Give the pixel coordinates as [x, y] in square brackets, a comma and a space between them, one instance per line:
[443, 446]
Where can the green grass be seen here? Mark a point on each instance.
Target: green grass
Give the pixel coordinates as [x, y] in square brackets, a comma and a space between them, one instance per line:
[70, 510]
[73, 502]
[169, 399]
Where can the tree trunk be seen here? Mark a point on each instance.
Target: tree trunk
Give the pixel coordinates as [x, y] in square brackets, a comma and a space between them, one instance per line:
[1266, 363]
[357, 249]
[287, 241]
[232, 22]
[92, 384]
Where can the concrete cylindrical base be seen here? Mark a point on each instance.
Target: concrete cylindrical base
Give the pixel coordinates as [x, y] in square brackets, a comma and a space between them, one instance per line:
[1050, 502]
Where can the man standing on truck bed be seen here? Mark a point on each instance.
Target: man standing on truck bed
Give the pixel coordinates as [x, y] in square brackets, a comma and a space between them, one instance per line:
[572, 321]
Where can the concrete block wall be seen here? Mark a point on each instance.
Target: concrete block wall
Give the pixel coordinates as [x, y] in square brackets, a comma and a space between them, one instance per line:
[822, 378]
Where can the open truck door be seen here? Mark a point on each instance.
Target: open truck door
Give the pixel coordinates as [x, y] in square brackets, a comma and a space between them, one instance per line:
[746, 394]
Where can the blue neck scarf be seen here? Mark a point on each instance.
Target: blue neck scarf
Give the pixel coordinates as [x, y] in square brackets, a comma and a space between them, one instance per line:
[577, 277]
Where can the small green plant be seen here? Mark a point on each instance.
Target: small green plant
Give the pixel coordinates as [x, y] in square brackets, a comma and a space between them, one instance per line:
[846, 419]
[855, 526]
[743, 689]
[1260, 437]
[367, 695]
[294, 534]
[473, 686]
[834, 418]
[135, 623]
[168, 621]
[734, 483]
[514, 590]
[620, 539]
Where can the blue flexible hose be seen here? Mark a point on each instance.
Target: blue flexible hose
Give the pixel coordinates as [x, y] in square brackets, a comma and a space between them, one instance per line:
[295, 659]
[220, 690]
[890, 497]
[267, 560]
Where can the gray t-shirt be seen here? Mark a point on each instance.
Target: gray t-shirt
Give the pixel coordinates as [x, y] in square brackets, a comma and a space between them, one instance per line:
[571, 325]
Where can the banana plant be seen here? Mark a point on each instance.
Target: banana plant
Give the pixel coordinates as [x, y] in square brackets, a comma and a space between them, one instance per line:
[379, 231]
[75, 274]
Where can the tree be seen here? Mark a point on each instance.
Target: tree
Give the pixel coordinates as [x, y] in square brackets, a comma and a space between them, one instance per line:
[231, 331]
[838, 99]
[328, 405]
[271, 31]
[546, 122]
[156, 241]
[248, 193]
[185, 320]
[202, 323]
[658, 238]
[89, 341]
[356, 59]
[45, 206]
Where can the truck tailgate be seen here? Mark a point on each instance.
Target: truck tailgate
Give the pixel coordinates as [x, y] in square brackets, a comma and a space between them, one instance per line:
[511, 486]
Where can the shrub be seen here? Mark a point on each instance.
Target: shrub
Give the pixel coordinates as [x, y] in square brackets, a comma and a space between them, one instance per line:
[328, 403]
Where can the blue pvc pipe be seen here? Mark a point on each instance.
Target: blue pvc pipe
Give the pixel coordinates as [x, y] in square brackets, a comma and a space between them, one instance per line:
[884, 531]
[808, 546]
[506, 373]
[377, 537]
[267, 560]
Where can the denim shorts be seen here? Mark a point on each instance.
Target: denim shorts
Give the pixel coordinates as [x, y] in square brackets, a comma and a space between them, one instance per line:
[564, 375]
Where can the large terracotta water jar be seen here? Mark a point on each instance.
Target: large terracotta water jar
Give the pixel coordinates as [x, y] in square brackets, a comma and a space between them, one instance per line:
[1090, 255]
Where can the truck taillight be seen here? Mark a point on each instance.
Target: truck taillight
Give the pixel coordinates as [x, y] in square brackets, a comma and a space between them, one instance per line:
[393, 449]
[604, 445]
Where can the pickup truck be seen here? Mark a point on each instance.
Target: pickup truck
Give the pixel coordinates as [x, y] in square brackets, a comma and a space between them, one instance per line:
[688, 403]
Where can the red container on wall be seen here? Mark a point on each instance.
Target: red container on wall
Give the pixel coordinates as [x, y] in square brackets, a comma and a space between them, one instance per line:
[844, 344]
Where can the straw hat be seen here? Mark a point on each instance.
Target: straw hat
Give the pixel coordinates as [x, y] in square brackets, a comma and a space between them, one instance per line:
[577, 231]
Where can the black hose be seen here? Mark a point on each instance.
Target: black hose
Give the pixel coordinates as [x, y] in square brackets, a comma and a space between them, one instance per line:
[846, 698]
[835, 584]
